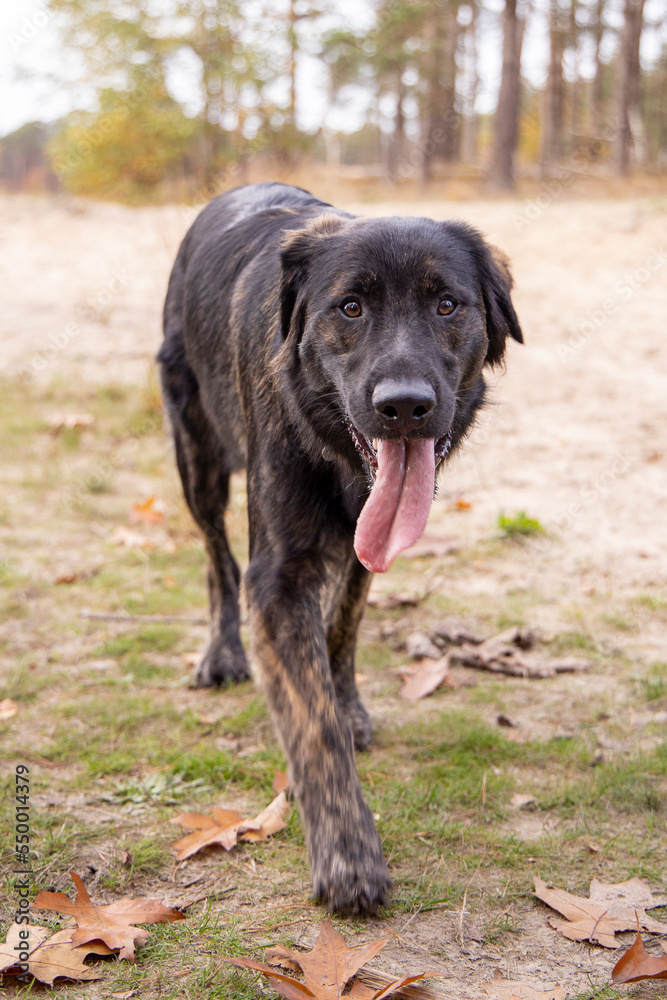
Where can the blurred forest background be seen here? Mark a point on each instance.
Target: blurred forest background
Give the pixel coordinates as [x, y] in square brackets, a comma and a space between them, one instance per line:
[408, 81]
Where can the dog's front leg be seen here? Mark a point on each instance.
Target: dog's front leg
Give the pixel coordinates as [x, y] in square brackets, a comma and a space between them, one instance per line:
[348, 870]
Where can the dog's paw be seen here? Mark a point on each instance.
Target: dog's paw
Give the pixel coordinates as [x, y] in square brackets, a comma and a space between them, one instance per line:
[359, 721]
[350, 875]
[220, 665]
[352, 888]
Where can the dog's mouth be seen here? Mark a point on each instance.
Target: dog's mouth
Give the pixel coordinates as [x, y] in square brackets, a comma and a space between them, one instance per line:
[394, 516]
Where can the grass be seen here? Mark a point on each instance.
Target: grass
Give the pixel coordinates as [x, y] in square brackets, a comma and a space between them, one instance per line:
[118, 744]
[519, 524]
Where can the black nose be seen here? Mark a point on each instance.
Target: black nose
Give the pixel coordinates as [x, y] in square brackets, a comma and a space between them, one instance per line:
[403, 405]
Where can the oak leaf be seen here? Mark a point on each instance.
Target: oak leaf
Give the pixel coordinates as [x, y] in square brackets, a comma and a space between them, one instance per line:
[637, 964]
[151, 511]
[226, 826]
[423, 678]
[609, 909]
[327, 968]
[50, 956]
[112, 924]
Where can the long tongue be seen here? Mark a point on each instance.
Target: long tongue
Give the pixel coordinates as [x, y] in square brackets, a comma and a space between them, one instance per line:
[395, 514]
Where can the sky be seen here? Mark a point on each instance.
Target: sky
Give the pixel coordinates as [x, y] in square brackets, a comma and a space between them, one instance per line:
[33, 65]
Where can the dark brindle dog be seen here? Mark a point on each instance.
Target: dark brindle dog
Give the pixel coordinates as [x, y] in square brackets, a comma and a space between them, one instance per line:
[340, 360]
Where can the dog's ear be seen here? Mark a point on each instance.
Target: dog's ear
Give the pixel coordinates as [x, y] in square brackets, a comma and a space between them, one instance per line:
[501, 320]
[298, 249]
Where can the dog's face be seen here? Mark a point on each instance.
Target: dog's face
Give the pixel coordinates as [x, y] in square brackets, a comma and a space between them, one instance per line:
[388, 324]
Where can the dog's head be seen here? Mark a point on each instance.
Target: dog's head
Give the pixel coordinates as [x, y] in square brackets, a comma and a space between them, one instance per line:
[387, 325]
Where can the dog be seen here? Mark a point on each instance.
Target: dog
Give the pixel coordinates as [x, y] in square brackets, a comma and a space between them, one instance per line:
[339, 360]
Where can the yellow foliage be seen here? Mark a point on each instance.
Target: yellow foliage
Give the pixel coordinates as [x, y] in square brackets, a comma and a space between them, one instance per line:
[134, 142]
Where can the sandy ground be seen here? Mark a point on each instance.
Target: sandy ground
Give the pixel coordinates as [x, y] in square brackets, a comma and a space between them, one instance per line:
[577, 435]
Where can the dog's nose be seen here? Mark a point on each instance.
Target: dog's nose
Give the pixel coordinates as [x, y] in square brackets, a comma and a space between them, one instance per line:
[403, 405]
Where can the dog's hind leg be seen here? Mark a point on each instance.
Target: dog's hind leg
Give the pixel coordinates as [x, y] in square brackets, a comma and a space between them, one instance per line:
[346, 603]
[205, 467]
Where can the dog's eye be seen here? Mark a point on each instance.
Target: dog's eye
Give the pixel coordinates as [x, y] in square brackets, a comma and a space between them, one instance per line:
[351, 309]
[447, 306]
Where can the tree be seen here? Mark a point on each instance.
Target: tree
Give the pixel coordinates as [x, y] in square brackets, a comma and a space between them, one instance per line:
[552, 116]
[506, 125]
[628, 144]
[137, 140]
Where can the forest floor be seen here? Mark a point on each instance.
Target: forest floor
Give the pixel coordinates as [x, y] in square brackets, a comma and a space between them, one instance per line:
[118, 743]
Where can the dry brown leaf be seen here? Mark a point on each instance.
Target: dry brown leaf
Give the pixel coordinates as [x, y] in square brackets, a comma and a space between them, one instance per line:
[637, 964]
[268, 822]
[8, 708]
[226, 826]
[50, 956]
[151, 511]
[610, 908]
[221, 829]
[374, 981]
[280, 782]
[423, 678]
[326, 969]
[111, 924]
[27, 935]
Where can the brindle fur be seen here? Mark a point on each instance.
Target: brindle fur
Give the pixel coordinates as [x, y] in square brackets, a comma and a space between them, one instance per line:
[260, 370]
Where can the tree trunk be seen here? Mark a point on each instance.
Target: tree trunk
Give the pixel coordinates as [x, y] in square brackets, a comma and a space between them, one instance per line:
[506, 130]
[552, 120]
[396, 143]
[469, 125]
[293, 44]
[596, 111]
[628, 144]
[440, 134]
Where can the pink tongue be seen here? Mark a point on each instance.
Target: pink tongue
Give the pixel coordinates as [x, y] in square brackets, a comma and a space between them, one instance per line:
[396, 512]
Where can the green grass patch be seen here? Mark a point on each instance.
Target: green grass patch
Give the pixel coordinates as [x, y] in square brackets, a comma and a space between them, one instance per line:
[519, 524]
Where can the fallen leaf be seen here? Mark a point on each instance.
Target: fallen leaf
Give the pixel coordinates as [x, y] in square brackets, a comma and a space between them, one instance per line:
[9, 950]
[609, 909]
[268, 822]
[280, 782]
[114, 923]
[50, 957]
[151, 511]
[371, 980]
[226, 826]
[68, 421]
[637, 964]
[326, 969]
[423, 678]
[8, 708]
